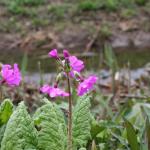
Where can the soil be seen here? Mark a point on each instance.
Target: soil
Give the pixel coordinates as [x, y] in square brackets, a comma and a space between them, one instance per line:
[77, 31]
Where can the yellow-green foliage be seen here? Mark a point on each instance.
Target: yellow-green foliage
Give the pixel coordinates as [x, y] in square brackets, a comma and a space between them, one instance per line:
[6, 110]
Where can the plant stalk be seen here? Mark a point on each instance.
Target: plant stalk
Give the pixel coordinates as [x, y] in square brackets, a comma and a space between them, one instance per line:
[70, 114]
[1, 93]
[113, 82]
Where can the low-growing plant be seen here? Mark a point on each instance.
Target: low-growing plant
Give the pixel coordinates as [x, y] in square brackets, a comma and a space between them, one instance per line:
[49, 128]
[111, 61]
[89, 5]
[105, 31]
[26, 2]
[128, 13]
[21, 7]
[10, 25]
[58, 11]
[111, 5]
[21, 10]
[141, 2]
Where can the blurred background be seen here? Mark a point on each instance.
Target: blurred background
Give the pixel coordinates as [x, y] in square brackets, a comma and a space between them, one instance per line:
[29, 29]
[113, 39]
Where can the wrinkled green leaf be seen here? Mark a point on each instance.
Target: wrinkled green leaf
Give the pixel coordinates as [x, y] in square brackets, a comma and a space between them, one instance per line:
[20, 133]
[81, 122]
[52, 128]
[2, 130]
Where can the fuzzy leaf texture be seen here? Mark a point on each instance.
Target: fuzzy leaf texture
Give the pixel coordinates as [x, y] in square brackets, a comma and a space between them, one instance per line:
[81, 122]
[20, 133]
[52, 128]
[2, 131]
[6, 110]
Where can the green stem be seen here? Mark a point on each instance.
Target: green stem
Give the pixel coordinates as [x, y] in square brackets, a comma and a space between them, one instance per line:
[1, 93]
[69, 115]
[113, 82]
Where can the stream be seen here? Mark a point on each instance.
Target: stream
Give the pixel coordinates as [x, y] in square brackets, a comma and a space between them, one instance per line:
[93, 62]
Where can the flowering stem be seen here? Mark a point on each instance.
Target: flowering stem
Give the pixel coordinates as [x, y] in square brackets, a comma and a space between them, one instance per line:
[69, 115]
[1, 93]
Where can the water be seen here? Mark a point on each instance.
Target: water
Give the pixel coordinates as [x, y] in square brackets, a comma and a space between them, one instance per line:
[93, 61]
[137, 59]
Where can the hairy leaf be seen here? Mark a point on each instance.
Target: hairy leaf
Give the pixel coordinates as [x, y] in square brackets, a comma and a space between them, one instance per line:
[81, 122]
[52, 128]
[2, 130]
[6, 110]
[20, 133]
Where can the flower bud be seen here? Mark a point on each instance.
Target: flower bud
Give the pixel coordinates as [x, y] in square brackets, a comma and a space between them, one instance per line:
[66, 53]
[53, 53]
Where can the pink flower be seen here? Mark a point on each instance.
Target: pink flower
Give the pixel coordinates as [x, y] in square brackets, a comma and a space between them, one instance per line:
[86, 85]
[76, 64]
[11, 76]
[53, 91]
[45, 89]
[53, 53]
[66, 53]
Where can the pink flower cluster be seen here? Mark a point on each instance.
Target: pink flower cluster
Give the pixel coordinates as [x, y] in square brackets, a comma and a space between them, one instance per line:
[53, 91]
[87, 85]
[75, 63]
[10, 75]
[75, 67]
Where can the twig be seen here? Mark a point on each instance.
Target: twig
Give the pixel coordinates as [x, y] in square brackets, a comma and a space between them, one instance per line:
[89, 45]
[133, 96]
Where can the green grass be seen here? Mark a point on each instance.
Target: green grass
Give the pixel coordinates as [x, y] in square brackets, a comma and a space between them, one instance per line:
[141, 2]
[26, 2]
[65, 9]
[109, 5]
[22, 7]
[10, 25]
[128, 13]
[22, 11]
[89, 5]
[39, 22]
[62, 11]
[146, 7]
[105, 31]
[58, 11]
[41, 13]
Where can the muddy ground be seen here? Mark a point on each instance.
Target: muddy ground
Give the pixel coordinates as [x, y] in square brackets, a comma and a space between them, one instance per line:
[65, 25]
